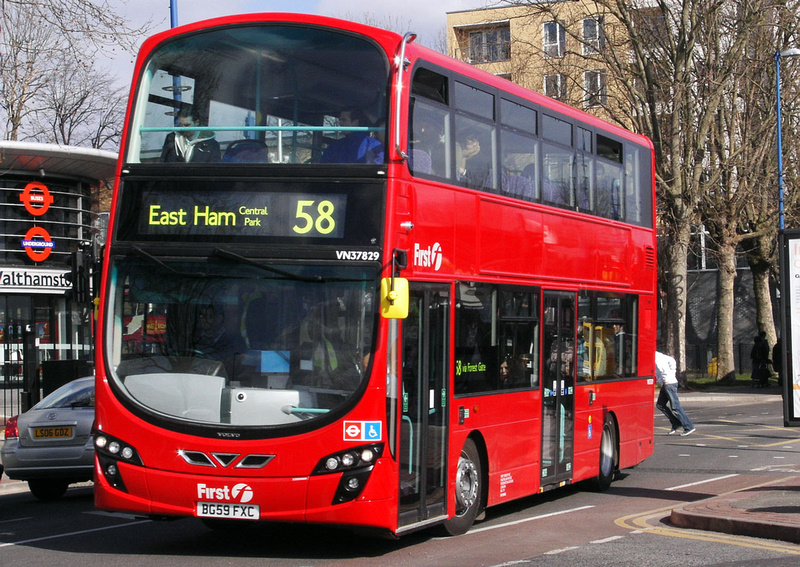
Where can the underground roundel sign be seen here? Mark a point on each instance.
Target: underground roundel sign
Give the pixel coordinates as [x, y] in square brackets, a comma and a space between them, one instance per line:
[36, 198]
[37, 244]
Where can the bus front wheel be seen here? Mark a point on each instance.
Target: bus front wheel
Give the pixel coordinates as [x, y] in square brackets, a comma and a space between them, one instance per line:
[468, 494]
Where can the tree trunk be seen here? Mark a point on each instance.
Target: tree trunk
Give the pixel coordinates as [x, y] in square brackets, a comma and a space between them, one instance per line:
[677, 290]
[761, 260]
[726, 365]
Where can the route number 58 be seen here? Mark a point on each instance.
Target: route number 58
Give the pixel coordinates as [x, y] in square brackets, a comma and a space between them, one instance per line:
[324, 222]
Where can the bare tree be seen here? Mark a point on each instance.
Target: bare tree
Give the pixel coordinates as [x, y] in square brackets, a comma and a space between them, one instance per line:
[395, 23]
[49, 89]
[23, 66]
[401, 25]
[739, 207]
[95, 24]
[108, 121]
[79, 106]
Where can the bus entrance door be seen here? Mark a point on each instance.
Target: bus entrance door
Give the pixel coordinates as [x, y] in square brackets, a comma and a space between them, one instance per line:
[558, 385]
[423, 420]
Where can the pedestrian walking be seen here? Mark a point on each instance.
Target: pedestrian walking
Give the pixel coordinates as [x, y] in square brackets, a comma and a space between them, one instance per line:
[668, 402]
[777, 360]
[759, 358]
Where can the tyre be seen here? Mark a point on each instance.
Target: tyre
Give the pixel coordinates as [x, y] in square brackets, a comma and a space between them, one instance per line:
[48, 489]
[608, 456]
[469, 490]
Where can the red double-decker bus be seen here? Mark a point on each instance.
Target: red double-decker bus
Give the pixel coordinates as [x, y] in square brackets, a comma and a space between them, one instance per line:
[350, 280]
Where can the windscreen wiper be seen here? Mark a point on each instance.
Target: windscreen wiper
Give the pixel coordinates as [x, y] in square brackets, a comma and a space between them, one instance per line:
[139, 252]
[233, 256]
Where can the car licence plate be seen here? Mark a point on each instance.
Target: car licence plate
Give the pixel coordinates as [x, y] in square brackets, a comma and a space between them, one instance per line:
[52, 432]
[228, 511]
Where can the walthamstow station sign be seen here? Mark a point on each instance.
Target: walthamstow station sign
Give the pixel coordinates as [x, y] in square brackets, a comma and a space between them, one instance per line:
[34, 280]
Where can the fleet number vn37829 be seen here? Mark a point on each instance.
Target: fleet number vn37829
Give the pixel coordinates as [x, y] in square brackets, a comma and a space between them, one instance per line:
[358, 255]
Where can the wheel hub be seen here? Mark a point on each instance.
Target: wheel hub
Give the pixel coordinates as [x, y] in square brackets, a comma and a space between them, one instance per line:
[466, 485]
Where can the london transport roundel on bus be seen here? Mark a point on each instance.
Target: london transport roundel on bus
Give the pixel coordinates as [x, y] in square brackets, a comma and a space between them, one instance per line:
[37, 198]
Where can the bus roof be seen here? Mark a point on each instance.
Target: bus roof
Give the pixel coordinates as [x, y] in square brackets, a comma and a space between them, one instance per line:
[391, 41]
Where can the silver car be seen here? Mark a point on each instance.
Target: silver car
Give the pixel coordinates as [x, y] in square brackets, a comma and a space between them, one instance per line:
[50, 445]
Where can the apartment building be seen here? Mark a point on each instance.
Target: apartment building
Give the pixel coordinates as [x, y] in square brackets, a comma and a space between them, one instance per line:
[556, 48]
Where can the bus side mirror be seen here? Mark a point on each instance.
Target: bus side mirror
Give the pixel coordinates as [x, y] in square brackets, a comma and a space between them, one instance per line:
[394, 298]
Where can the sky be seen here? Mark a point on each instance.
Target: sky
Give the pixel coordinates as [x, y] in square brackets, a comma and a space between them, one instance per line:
[425, 17]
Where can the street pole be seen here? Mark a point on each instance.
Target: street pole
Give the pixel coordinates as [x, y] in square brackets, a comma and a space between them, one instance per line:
[787, 53]
[785, 297]
[176, 80]
[173, 13]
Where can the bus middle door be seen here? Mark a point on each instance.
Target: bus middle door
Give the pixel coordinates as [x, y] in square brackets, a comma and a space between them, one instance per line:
[558, 387]
[423, 428]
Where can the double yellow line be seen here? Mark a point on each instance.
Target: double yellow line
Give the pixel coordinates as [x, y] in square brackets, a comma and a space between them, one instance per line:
[648, 522]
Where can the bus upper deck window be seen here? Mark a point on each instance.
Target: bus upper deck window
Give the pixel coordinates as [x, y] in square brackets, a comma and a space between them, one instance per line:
[266, 93]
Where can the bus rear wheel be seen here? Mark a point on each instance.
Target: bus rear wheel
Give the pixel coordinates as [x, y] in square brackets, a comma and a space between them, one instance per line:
[469, 490]
[608, 456]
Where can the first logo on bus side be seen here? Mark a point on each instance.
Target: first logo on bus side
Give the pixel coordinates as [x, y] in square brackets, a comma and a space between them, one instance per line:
[430, 257]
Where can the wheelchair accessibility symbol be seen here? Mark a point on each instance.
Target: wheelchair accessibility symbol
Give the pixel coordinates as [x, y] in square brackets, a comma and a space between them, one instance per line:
[362, 431]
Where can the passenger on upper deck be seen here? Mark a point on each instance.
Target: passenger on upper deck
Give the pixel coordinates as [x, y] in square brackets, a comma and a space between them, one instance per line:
[190, 145]
[427, 146]
[471, 170]
[355, 147]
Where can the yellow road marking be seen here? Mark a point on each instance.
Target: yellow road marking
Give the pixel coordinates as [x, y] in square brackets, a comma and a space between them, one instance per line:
[642, 522]
[745, 437]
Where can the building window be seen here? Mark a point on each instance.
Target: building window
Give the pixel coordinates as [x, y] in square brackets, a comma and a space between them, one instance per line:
[490, 45]
[555, 86]
[594, 38]
[595, 88]
[554, 39]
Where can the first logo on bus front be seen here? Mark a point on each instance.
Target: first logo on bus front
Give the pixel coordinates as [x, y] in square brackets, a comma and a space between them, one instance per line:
[362, 430]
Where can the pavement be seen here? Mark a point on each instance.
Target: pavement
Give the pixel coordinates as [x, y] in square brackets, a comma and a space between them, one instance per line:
[770, 511]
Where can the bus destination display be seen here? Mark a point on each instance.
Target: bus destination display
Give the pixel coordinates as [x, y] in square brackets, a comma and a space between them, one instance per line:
[242, 213]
